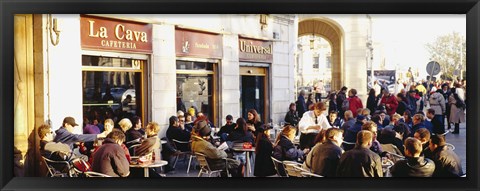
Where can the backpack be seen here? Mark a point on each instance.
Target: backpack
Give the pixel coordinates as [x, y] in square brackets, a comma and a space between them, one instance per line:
[346, 104]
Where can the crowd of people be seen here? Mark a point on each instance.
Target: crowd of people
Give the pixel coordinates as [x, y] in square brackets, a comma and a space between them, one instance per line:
[338, 137]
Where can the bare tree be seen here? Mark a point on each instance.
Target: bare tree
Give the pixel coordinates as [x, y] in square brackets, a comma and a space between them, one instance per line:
[449, 51]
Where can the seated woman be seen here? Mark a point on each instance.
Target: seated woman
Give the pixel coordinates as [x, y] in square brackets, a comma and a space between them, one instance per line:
[263, 152]
[201, 144]
[152, 143]
[284, 148]
[241, 133]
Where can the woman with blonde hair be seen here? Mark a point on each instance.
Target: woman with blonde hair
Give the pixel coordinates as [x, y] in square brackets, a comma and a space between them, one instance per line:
[125, 124]
[284, 148]
[152, 143]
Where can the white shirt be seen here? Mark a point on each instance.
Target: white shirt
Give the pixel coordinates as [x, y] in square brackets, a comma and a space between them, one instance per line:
[308, 120]
[461, 93]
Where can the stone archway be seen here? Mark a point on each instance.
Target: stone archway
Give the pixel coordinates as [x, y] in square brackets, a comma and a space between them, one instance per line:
[333, 34]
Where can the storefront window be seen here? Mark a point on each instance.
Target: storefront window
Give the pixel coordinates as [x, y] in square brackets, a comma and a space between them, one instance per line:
[112, 87]
[195, 87]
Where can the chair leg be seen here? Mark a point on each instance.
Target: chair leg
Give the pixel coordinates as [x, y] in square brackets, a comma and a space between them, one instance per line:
[200, 173]
[175, 163]
[189, 163]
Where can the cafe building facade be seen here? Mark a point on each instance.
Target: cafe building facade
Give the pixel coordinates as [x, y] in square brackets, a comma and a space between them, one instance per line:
[154, 65]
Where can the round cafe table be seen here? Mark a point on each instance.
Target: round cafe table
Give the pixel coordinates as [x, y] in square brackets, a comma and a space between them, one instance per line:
[146, 166]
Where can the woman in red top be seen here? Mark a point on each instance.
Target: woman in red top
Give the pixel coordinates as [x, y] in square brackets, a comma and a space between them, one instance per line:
[390, 102]
[354, 102]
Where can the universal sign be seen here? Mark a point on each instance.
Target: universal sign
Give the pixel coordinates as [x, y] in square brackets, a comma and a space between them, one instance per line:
[117, 35]
[255, 50]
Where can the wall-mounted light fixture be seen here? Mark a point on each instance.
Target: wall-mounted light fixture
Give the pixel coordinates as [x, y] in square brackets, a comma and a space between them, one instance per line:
[52, 25]
[263, 21]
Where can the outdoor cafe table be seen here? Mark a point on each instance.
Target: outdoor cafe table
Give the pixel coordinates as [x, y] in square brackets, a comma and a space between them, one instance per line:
[241, 149]
[146, 166]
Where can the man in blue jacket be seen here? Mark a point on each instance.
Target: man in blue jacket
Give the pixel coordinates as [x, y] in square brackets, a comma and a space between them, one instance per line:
[65, 134]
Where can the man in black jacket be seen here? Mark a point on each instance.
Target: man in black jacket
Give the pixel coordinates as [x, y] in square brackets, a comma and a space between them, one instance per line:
[447, 163]
[323, 158]
[341, 96]
[227, 128]
[360, 161]
[414, 165]
[176, 132]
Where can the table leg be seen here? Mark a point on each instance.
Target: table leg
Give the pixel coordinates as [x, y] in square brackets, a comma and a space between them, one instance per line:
[248, 164]
[145, 173]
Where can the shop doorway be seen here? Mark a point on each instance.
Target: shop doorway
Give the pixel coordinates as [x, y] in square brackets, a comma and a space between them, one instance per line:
[254, 91]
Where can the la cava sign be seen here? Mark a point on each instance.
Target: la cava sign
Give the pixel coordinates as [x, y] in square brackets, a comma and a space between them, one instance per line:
[109, 34]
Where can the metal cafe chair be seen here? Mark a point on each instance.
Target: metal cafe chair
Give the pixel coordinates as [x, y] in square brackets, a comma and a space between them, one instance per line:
[205, 168]
[131, 149]
[293, 169]
[310, 174]
[58, 168]
[92, 174]
[176, 144]
[279, 167]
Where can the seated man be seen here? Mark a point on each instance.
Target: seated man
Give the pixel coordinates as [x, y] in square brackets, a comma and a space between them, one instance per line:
[65, 134]
[52, 150]
[414, 165]
[360, 161]
[447, 163]
[323, 158]
[176, 132]
[110, 158]
[227, 128]
[333, 119]
[423, 135]
[202, 144]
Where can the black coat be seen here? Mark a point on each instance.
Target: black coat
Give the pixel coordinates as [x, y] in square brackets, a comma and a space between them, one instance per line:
[340, 98]
[402, 107]
[360, 162]
[285, 150]
[180, 135]
[263, 162]
[447, 163]
[227, 129]
[323, 159]
[292, 118]
[413, 167]
[372, 103]
[239, 136]
[301, 105]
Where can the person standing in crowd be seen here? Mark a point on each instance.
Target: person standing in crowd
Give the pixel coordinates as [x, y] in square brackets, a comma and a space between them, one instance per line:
[435, 122]
[372, 100]
[332, 103]
[311, 123]
[414, 165]
[263, 152]
[402, 104]
[412, 101]
[301, 104]
[201, 144]
[253, 122]
[457, 109]
[447, 163]
[349, 121]
[110, 158]
[390, 102]
[227, 128]
[323, 158]
[341, 97]
[319, 89]
[292, 116]
[360, 161]
[310, 101]
[284, 148]
[65, 134]
[446, 94]
[354, 102]
[376, 87]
